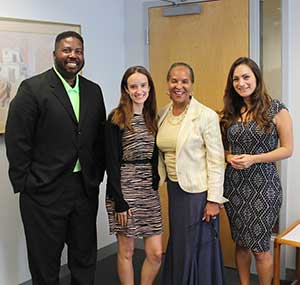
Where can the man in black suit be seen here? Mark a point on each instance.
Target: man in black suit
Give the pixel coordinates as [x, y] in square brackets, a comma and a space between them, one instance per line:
[54, 140]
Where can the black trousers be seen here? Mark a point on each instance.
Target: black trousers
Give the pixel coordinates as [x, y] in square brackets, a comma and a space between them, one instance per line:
[71, 220]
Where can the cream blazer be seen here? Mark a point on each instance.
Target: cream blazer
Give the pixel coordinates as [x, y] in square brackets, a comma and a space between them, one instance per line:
[200, 160]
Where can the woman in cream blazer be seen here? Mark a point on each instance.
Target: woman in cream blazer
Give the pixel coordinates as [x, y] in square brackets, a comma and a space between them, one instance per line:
[199, 152]
[191, 160]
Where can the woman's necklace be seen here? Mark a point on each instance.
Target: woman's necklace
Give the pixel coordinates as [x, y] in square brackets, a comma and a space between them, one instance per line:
[176, 120]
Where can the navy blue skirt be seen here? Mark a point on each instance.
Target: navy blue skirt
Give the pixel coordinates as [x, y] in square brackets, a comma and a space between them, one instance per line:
[193, 255]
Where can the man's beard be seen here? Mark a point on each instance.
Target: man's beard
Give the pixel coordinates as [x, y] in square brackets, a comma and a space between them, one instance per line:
[67, 74]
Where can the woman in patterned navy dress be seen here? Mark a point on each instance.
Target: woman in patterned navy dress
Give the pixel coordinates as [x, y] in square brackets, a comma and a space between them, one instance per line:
[251, 124]
[132, 202]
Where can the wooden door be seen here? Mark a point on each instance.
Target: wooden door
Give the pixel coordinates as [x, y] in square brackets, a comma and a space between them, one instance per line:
[209, 42]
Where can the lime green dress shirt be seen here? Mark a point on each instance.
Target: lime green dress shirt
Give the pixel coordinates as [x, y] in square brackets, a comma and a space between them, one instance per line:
[73, 93]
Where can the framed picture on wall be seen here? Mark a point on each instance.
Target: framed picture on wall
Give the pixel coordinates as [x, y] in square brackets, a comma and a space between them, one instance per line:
[25, 50]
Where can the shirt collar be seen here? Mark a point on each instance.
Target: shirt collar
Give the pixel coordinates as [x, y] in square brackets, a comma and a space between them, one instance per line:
[67, 86]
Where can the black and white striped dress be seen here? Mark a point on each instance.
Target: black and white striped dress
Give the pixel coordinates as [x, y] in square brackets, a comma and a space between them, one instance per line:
[136, 184]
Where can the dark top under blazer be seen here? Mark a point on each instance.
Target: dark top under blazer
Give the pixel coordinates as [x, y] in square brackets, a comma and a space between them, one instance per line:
[44, 140]
[114, 154]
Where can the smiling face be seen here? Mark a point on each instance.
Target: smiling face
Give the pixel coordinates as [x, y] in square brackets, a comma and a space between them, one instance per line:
[244, 81]
[138, 90]
[180, 85]
[68, 57]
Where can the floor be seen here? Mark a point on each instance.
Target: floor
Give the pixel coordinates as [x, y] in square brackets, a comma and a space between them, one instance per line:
[107, 272]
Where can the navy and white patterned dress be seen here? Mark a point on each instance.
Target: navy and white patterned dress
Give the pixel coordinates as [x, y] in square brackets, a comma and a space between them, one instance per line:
[255, 193]
[136, 184]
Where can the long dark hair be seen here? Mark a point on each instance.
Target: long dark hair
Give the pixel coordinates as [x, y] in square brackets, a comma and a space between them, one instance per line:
[233, 102]
[122, 115]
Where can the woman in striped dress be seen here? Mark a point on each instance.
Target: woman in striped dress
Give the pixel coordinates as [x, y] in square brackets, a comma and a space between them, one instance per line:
[132, 202]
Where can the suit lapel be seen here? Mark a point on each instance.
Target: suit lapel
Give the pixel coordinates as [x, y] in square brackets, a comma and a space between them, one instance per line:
[186, 127]
[83, 101]
[61, 94]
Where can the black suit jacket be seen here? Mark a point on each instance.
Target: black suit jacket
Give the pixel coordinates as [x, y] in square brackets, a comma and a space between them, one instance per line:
[43, 138]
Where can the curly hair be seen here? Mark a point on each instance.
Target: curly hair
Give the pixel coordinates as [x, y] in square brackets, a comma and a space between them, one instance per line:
[234, 103]
[122, 115]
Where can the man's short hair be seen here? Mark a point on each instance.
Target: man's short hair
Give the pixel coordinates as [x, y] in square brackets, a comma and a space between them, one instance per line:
[67, 34]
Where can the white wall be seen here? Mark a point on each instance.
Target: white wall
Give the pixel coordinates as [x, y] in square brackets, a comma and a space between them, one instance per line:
[103, 31]
[135, 53]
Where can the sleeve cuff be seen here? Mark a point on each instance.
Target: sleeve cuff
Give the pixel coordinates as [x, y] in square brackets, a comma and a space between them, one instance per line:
[121, 206]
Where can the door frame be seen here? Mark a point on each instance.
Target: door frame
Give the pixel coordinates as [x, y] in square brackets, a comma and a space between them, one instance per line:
[254, 27]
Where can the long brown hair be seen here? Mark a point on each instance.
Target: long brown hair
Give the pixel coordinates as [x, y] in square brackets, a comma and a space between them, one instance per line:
[122, 115]
[233, 102]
